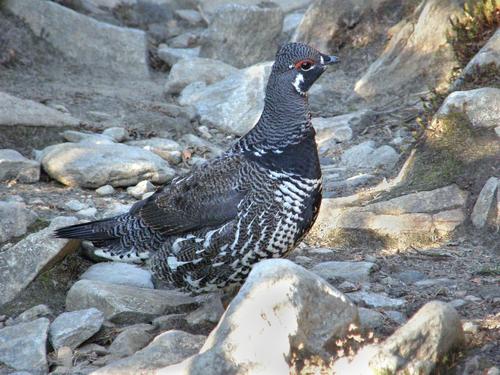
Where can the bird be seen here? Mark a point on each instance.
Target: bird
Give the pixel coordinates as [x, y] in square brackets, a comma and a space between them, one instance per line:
[203, 231]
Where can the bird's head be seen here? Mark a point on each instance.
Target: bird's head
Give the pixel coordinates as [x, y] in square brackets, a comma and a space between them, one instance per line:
[300, 65]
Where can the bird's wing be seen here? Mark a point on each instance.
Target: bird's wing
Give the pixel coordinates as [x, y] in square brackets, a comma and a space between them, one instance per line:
[207, 197]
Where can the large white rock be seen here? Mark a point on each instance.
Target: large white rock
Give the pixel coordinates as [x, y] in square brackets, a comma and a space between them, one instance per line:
[119, 50]
[233, 104]
[124, 303]
[200, 70]
[243, 35]
[15, 219]
[21, 263]
[415, 348]
[73, 328]
[480, 105]
[95, 165]
[28, 122]
[166, 349]
[14, 166]
[23, 346]
[280, 308]
[417, 57]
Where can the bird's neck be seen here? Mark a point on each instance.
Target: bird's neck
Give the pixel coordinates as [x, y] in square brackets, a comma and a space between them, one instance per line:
[285, 120]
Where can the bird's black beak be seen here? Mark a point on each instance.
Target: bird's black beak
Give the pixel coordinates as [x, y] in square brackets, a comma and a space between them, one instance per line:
[329, 60]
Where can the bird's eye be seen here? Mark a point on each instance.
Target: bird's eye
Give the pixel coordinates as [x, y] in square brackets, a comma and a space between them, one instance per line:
[304, 65]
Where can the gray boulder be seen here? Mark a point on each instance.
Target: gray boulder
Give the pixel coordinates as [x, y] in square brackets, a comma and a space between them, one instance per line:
[131, 339]
[367, 156]
[95, 165]
[166, 349]
[23, 346]
[99, 45]
[126, 304]
[233, 104]
[480, 105]
[22, 262]
[212, 6]
[430, 336]
[15, 219]
[119, 273]
[73, 328]
[200, 70]
[488, 54]
[418, 56]
[280, 308]
[14, 166]
[243, 35]
[26, 122]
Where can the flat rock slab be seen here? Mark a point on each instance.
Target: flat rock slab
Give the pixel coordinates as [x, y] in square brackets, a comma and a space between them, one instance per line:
[480, 105]
[280, 308]
[485, 203]
[166, 349]
[73, 328]
[350, 271]
[233, 104]
[21, 263]
[95, 165]
[417, 347]
[410, 217]
[14, 166]
[15, 219]
[119, 273]
[117, 50]
[23, 346]
[126, 304]
[376, 300]
[26, 121]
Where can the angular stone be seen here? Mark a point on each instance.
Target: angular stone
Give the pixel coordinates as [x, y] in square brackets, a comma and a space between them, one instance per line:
[140, 189]
[350, 271]
[91, 166]
[23, 346]
[417, 56]
[21, 263]
[200, 70]
[73, 328]
[126, 304]
[119, 273]
[365, 155]
[118, 50]
[116, 133]
[15, 219]
[25, 122]
[210, 311]
[433, 332]
[480, 105]
[172, 55]
[485, 203]
[38, 311]
[166, 349]
[283, 307]
[14, 166]
[131, 339]
[233, 104]
[243, 35]
[488, 54]
[376, 300]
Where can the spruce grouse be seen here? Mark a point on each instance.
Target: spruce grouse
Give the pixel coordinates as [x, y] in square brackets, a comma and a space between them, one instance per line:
[205, 230]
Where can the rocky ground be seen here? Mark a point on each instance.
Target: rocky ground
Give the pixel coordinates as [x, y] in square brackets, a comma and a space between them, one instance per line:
[103, 100]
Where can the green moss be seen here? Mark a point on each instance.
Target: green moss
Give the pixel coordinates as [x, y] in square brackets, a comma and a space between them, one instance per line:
[449, 149]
